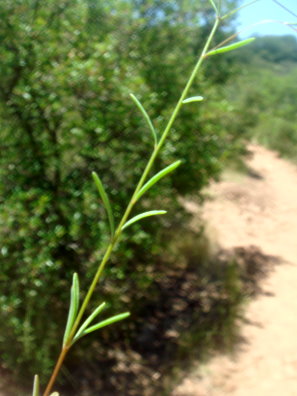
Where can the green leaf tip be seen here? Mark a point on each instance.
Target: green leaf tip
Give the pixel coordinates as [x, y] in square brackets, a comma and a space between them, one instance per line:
[107, 322]
[231, 47]
[36, 386]
[156, 178]
[86, 323]
[86, 330]
[193, 99]
[145, 116]
[105, 201]
[142, 216]
[73, 308]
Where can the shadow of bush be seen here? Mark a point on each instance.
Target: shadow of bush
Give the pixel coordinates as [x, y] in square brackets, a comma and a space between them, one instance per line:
[191, 309]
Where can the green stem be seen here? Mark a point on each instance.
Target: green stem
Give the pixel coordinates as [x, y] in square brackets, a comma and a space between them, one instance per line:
[167, 128]
[129, 208]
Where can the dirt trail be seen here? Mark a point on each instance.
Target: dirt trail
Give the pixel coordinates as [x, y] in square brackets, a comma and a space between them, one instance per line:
[260, 210]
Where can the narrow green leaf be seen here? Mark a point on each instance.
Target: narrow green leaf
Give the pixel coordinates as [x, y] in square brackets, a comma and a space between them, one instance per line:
[86, 323]
[157, 177]
[193, 99]
[105, 201]
[231, 47]
[76, 290]
[36, 386]
[142, 216]
[214, 6]
[74, 303]
[146, 117]
[107, 322]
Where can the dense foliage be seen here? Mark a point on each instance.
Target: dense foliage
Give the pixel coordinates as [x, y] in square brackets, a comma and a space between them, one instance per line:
[67, 69]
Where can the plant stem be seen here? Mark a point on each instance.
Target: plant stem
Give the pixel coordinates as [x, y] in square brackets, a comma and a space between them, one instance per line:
[129, 208]
[56, 371]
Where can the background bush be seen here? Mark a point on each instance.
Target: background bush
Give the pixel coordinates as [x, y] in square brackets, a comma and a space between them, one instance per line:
[67, 69]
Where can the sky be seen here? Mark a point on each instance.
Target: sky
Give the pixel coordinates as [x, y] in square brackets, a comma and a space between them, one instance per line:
[267, 10]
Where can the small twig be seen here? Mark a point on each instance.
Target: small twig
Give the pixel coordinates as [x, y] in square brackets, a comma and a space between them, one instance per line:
[285, 8]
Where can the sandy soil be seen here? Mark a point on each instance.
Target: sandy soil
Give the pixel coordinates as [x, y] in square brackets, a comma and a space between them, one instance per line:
[261, 210]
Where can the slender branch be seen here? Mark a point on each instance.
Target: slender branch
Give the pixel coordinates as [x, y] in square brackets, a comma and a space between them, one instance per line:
[56, 371]
[285, 8]
[29, 130]
[130, 207]
[238, 9]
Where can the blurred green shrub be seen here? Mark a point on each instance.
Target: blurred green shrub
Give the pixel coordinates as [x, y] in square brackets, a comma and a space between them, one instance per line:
[67, 69]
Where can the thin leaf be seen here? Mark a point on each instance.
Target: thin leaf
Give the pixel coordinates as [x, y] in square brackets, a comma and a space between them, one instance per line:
[193, 99]
[285, 8]
[105, 201]
[231, 47]
[146, 117]
[214, 6]
[142, 216]
[107, 322]
[238, 9]
[86, 323]
[156, 178]
[74, 303]
[76, 290]
[36, 386]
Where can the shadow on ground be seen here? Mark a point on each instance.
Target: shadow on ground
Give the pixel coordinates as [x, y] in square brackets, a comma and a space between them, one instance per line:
[193, 310]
